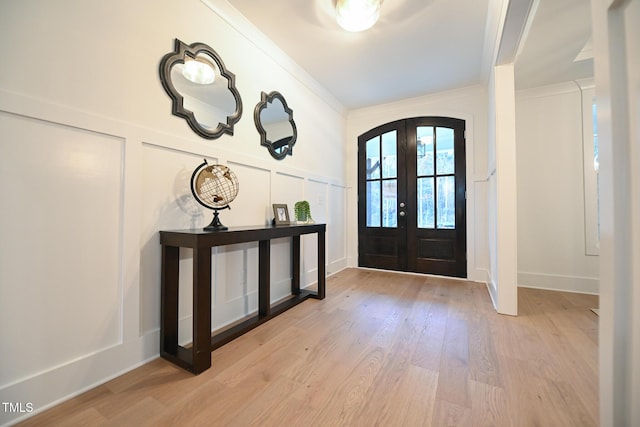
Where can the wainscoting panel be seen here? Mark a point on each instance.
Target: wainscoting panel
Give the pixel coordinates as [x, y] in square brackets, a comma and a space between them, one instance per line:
[287, 189]
[235, 275]
[337, 242]
[232, 282]
[62, 189]
[317, 195]
[280, 268]
[253, 196]
[167, 204]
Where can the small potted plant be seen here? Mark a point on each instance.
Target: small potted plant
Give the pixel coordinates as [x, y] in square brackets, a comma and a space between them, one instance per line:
[302, 212]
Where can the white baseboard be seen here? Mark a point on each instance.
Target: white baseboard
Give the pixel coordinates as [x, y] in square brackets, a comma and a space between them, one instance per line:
[554, 282]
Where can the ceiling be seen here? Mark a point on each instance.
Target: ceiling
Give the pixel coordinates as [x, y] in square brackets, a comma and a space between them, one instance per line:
[559, 32]
[418, 46]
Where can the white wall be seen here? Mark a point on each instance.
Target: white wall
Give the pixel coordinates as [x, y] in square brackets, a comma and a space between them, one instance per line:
[551, 202]
[469, 104]
[93, 164]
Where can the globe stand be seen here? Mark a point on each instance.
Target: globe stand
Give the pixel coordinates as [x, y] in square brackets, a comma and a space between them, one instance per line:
[216, 225]
[214, 187]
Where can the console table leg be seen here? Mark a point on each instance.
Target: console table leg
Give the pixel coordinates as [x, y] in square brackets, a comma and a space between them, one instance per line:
[295, 265]
[322, 270]
[264, 278]
[201, 310]
[169, 300]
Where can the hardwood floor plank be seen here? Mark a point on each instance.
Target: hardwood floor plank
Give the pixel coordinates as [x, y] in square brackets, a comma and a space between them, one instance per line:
[528, 396]
[484, 366]
[412, 401]
[490, 405]
[258, 411]
[138, 412]
[228, 403]
[289, 411]
[266, 362]
[344, 400]
[429, 346]
[396, 363]
[80, 407]
[84, 417]
[383, 349]
[328, 359]
[454, 367]
[447, 414]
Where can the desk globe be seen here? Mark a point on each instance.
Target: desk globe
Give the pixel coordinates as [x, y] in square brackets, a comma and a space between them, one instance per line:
[214, 187]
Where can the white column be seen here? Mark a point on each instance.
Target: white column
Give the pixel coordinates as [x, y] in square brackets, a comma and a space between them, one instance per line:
[616, 31]
[506, 247]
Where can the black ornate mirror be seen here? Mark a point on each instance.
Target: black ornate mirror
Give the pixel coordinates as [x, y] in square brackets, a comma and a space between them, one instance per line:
[202, 90]
[274, 120]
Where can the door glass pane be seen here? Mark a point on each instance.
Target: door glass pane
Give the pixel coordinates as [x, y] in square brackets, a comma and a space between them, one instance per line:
[444, 151]
[446, 202]
[389, 155]
[373, 158]
[426, 209]
[424, 148]
[389, 203]
[373, 204]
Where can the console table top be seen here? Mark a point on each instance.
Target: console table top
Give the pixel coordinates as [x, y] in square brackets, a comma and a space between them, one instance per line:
[197, 237]
[246, 228]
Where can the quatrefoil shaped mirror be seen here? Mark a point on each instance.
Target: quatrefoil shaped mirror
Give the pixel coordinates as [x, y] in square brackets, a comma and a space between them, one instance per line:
[274, 121]
[202, 90]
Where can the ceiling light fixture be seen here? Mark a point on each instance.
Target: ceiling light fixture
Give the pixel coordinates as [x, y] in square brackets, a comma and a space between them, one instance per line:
[357, 15]
[199, 71]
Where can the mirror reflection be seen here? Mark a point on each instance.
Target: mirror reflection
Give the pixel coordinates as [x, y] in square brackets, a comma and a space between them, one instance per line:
[202, 90]
[274, 121]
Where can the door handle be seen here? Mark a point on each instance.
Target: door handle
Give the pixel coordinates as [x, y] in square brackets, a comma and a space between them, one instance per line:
[401, 213]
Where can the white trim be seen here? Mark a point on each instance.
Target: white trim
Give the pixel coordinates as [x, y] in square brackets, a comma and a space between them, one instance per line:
[546, 91]
[557, 290]
[425, 275]
[559, 282]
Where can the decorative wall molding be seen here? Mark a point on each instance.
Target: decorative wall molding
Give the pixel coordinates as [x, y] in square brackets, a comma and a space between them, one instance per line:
[546, 91]
[137, 342]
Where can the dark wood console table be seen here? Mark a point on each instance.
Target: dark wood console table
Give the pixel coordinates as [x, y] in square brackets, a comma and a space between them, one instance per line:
[197, 358]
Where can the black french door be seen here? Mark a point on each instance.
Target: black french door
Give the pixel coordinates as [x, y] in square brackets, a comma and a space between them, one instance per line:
[411, 196]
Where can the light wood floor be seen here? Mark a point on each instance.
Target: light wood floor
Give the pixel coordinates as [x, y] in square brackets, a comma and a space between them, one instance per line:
[383, 349]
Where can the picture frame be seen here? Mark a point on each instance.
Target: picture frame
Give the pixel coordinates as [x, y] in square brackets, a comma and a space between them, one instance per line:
[281, 214]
